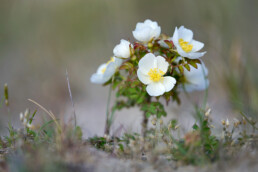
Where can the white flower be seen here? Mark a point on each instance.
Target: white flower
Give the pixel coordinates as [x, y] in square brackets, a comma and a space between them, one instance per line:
[186, 46]
[144, 32]
[122, 50]
[106, 71]
[196, 79]
[151, 71]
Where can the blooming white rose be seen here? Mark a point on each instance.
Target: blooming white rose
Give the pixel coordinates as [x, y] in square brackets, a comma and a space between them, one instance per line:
[196, 79]
[106, 71]
[186, 46]
[144, 32]
[122, 50]
[151, 71]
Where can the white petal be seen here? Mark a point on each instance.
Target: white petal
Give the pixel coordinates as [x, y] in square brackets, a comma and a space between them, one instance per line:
[156, 32]
[196, 45]
[196, 78]
[101, 68]
[155, 89]
[185, 34]
[146, 31]
[163, 44]
[175, 36]
[169, 83]
[195, 55]
[122, 49]
[202, 85]
[181, 52]
[162, 64]
[145, 79]
[110, 70]
[118, 62]
[178, 59]
[150, 23]
[143, 34]
[97, 79]
[147, 62]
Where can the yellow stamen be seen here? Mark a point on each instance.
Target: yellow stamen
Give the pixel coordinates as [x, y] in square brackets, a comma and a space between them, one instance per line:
[112, 59]
[156, 75]
[185, 45]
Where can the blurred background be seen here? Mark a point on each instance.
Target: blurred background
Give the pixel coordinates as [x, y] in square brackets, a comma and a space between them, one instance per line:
[39, 40]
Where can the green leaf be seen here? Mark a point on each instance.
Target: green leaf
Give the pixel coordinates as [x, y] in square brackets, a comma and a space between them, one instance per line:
[154, 108]
[78, 132]
[181, 69]
[192, 63]
[121, 147]
[31, 119]
[127, 65]
[197, 61]
[195, 127]
[187, 67]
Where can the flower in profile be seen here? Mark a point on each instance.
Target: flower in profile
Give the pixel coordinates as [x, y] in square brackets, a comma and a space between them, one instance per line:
[196, 79]
[122, 50]
[106, 71]
[186, 46]
[146, 31]
[151, 71]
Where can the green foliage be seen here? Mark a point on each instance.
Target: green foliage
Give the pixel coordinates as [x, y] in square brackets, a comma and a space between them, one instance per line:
[98, 142]
[154, 108]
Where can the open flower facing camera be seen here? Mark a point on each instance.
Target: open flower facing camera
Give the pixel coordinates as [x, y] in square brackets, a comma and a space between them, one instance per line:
[156, 66]
[151, 72]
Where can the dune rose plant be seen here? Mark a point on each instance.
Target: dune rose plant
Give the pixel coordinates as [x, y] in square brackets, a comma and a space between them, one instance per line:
[153, 67]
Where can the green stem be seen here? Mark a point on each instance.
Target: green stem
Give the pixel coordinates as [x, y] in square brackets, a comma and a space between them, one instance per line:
[108, 122]
[206, 90]
[145, 118]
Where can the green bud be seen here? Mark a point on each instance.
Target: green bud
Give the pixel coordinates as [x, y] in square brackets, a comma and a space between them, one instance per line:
[150, 45]
[6, 95]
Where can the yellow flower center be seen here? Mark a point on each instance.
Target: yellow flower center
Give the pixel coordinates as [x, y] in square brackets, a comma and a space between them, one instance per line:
[185, 45]
[112, 59]
[156, 75]
[103, 70]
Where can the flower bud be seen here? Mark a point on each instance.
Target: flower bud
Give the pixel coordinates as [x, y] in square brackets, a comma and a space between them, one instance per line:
[145, 32]
[154, 121]
[134, 58]
[21, 116]
[6, 94]
[227, 123]
[123, 50]
[30, 126]
[207, 113]
[244, 121]
[25, 122]
[150, 45]
[177, 126]
[26, 113]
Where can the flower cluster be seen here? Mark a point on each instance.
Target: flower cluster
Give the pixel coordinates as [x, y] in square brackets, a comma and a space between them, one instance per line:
[164, 65]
